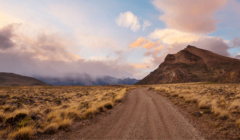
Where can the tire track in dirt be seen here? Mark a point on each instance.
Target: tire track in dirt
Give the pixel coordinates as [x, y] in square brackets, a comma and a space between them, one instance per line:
[105, 130]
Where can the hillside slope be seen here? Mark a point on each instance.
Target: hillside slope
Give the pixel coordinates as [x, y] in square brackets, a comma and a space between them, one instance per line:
[11, 79]
[194, 65]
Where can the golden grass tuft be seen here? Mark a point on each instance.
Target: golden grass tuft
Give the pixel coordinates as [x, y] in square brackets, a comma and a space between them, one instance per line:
[51, 116]
[23, 133]
[204, 103]
[89, 113]
[65, 124]
[234, 106]
[51, 128]
[120, 95]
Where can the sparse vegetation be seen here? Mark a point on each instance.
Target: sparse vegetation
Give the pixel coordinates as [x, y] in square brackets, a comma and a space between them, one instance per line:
[221, 101]
[49, 109]
[22, 133]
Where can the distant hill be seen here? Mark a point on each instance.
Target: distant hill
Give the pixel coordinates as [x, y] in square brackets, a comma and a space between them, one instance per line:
[11, 79]
[194, 65]
[85, 79]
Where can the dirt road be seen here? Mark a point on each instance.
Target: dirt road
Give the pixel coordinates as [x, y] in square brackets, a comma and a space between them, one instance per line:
[142, 115]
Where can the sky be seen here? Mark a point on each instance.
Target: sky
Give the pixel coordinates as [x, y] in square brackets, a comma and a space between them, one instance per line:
[119, 38]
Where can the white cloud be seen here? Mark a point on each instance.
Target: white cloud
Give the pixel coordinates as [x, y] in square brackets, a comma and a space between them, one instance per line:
[171, 36]
[128, 19]
[146, 23]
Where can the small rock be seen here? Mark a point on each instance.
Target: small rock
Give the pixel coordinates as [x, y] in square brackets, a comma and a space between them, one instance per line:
[197, 114]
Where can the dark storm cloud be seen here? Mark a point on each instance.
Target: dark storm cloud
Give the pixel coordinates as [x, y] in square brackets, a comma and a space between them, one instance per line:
[6, 34]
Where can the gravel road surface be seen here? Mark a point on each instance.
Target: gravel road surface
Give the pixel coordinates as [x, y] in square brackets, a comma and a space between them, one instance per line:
[142, 115]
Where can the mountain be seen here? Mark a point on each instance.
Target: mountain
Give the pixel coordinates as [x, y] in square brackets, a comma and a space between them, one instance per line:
[85, 79]
[11, 79]
[194, 65]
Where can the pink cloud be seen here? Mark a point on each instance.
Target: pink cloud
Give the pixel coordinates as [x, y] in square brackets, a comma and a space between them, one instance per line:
[146, 43]
[196, 16]
[236, 42]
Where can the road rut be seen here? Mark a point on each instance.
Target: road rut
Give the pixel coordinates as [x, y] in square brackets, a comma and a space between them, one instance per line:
[142, 115]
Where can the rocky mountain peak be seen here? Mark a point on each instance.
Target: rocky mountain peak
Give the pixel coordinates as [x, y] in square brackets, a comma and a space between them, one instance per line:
[195, 65]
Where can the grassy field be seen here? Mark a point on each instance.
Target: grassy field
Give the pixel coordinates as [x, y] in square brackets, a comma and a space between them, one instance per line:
[219, 101]
[26, 111]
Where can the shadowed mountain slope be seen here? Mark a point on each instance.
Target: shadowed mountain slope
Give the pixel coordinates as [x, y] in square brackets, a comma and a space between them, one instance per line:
[194, 65]
[11, 79]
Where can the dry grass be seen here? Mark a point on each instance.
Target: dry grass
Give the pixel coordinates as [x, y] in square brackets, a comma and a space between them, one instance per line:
[223, 100]
[51, 128]
[65, 124]
[48, 109]
[238, 122]
[22, 133]
[119, 96]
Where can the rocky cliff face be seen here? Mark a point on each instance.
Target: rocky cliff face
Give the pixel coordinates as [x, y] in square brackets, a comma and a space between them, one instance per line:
[194, 65]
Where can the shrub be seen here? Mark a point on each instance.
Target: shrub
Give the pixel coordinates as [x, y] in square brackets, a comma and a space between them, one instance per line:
[12, 120]
[26, 121]
[108, 105]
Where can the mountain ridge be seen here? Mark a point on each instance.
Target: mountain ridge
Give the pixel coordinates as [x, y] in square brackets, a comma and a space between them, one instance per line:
[85, 79]
[12, 79]
[193, 64]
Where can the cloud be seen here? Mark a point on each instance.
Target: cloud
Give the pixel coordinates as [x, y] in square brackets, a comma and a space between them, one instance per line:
[146, 23]
[51, 55]
[238, 56]
[24, 64]
[196, 16]
[128, 19]
[213, 44]
[140, 41]
[146, 43]
[6, 35]
[171, 36]
[236, 42]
